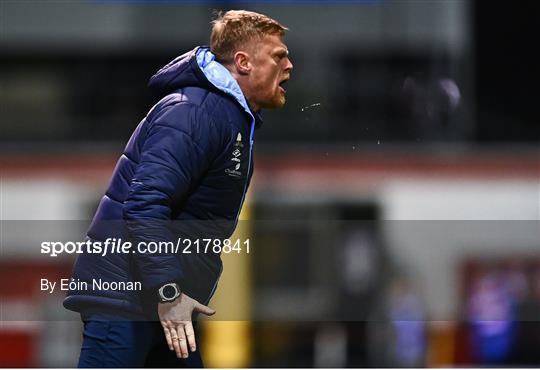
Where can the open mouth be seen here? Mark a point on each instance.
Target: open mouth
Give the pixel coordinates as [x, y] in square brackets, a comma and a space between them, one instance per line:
[282, 83]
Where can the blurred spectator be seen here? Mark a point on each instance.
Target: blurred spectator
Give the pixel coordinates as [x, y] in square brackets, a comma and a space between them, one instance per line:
[397, 335]
[491, 311]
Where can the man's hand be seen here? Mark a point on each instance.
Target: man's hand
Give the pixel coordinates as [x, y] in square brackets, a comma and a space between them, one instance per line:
[175, 317]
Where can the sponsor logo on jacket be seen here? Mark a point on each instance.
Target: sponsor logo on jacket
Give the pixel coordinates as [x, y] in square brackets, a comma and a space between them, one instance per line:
[235, 158]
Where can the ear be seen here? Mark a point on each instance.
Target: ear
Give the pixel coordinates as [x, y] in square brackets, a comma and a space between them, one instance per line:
[241, 63]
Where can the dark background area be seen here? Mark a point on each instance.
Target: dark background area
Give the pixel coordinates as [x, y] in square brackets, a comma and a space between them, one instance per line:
[507, 79]
[361, 94]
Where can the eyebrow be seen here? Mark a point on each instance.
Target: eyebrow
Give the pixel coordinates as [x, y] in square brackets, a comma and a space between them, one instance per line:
[281, 52]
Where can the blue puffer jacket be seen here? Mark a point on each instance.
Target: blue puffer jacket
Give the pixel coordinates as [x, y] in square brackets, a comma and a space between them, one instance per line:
[189, 161]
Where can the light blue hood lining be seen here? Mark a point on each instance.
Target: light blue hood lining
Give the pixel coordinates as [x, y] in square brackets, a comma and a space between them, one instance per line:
[220, 77]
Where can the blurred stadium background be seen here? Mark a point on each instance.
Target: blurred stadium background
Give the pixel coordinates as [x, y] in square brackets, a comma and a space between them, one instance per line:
[397, 190]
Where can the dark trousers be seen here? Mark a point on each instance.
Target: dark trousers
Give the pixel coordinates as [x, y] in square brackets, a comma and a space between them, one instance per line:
[110, 342]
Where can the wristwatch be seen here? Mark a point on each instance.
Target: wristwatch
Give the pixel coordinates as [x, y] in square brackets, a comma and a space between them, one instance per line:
[169, 292]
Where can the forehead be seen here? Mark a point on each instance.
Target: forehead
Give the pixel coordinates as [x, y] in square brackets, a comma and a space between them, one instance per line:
[271, 44]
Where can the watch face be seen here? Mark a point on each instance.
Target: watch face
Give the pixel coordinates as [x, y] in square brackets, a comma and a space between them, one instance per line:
[169, 292]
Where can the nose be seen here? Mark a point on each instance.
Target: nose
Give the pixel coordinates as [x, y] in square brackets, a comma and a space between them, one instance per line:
[289, 65]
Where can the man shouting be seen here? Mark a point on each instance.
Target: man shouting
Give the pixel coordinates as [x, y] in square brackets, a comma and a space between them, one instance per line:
[184, 172]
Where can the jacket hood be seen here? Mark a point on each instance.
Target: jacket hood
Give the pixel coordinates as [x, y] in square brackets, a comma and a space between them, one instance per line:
[199, 68]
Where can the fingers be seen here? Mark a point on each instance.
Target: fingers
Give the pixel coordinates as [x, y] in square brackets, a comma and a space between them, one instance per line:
[175, 342]
[179, 338]
[190, 334]
[168, 336]
[182, 340]
[204, 309]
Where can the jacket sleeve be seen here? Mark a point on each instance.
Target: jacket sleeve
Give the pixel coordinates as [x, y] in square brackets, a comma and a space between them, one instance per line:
[174, 156]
